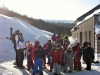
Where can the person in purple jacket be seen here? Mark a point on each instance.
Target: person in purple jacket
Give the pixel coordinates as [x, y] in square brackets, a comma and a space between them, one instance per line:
[58, 38]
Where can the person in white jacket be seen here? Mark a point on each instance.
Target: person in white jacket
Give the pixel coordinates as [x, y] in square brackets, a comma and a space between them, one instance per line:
[20, 44]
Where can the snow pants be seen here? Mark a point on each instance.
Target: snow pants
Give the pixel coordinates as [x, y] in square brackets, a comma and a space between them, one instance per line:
[29, 62]
[16, 57]
[70, 66]
[88, 63]
[51, 65]
[77, 64]
[20, 53]
[49, 58]
[57, 68]
[38, 63]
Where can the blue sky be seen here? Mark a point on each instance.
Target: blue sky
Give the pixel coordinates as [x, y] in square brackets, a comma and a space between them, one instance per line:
[51, 9]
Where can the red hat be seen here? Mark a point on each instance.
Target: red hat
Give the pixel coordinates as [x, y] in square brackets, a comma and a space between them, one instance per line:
[37, 43]
[28, 41]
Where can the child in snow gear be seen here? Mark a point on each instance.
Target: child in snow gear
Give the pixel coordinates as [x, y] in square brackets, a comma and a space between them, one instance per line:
[89, 55]
[39, 56]
[36, 44]
[29, 54]
[83, 49]
[49, 50]
[78, 53]
[45, 51]
[57, 61]
[69, 59]
[58, 38]
[65, 42]
[20, 50]
[52, 52]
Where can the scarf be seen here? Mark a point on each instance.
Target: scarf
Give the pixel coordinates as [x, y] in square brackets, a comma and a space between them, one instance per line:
[21, 40]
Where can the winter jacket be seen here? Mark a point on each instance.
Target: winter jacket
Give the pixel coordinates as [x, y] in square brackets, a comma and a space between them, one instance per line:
[29, 51]
[20, 44]
[55, 56]
[39, 54]
[88, 53]
[83, 50]
[49, 47]
[67, 41]
[33, 55]
[77, 51]
[60, 53]
[45, 51]
[69, 57]
[58, 38]
[53, 38]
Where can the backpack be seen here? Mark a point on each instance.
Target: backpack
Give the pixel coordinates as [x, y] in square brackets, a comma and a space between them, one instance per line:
[13, 38]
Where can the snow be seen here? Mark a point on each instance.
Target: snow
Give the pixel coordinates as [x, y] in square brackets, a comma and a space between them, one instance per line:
[29, 32]
[7, 53]
[97, 29]
[96, 12]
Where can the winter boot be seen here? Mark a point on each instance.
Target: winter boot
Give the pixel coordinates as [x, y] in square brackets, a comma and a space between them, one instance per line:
[55, 74]
[41, 74]
[70, 71]
[64, 71]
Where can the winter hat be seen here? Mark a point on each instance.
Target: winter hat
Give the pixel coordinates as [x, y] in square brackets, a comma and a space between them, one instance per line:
[89, 43]
[85, 43]
[45, 45]
[36, 43]
[40, 47]
[28, 41]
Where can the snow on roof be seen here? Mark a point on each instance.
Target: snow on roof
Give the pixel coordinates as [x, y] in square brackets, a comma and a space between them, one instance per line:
[72, 29]
[97, 29]
[96, 12]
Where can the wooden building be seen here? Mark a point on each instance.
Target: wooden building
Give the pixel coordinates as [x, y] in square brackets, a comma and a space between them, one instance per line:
[84, 28]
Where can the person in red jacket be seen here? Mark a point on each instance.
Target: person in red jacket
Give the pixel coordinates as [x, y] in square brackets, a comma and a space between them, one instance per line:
[52, 52]
[57, 61]
[77, 52]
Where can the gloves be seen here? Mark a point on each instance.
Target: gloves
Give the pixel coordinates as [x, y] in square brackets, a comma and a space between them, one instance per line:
[59, 63]
[11, 29]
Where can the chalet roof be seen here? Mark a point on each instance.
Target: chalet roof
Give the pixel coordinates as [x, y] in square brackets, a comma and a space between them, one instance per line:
[88, 13]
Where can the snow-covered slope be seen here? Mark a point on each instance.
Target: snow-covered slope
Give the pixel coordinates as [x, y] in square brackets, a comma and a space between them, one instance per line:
[30, 33]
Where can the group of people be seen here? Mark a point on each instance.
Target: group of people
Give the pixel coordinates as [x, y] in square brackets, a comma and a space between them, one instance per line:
[58, 50]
